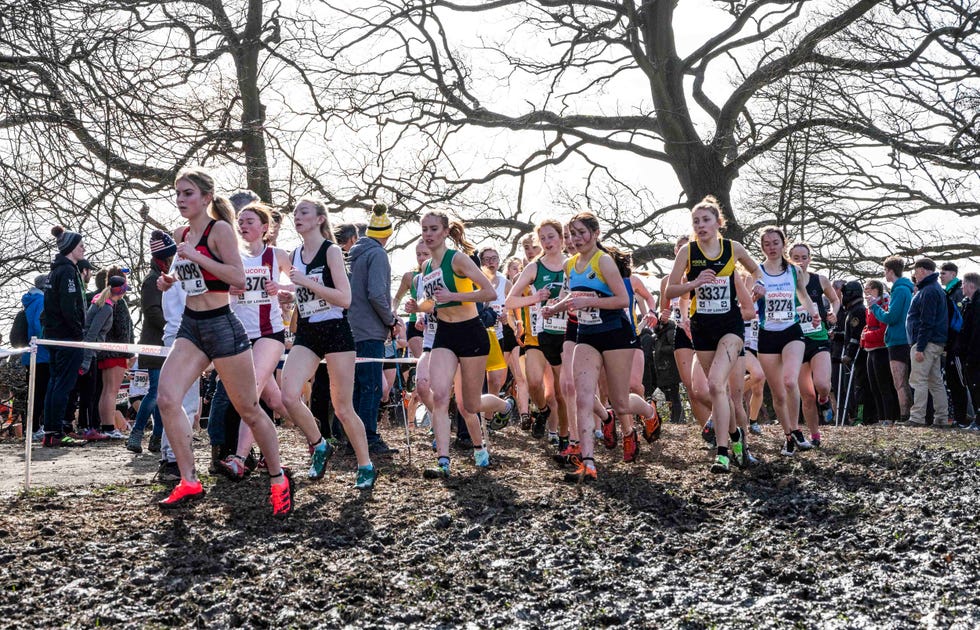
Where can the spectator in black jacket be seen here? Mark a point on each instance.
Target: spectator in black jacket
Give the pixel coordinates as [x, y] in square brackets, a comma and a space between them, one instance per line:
[64, 319]
[968, 341]
[855, 319]
[952, 367]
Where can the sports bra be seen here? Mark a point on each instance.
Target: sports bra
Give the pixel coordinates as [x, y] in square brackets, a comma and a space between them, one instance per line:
[193, 278]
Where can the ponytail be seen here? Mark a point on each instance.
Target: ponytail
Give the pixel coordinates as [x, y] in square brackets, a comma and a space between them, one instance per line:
[222, 210]
[623, 260]
[458, 236]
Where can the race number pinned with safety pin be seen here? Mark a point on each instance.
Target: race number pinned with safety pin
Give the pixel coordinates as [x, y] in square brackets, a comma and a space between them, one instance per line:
[432, 282]
[780, 306]
[309, 303]
[589, 315]
[714, 297]
[806, 320]
[190, 277]
[255, 293]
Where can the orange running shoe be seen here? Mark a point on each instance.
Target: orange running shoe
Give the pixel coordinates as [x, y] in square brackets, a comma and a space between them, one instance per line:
[582, 473]
[631, 446]
[609, 430]
[184, 492]
[572, 455]
[652, 427]
[281, 495]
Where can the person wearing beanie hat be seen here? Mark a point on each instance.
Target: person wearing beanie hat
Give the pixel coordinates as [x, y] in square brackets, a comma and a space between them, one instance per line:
[41, 282]
[64, 319]
[380, 225]
[162, 250]
[371, 320]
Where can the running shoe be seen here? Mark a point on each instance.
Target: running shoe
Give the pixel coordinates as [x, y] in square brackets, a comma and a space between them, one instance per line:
[562, 443]
[721, 465]
[652, 427]
[739, 450]
[233, 467]
[631, 446]
[789, 447]
[800, 440]
[426, 421]
[815, 442]
[38, 436]
[439, 471]
[554, 441]
[598, 435]
[756, 428]
[321, 454]
[825, 412]
[540, 425]
[366, 478]
[115, 434]
[581, 474]
[501, 419]
[572, 455]
[94, 435]
[55, 440]
[481, 457]
[750, 459]
[154, 444]
[708, 432]
[609, 430]
[525, 422]
[281, 495]
[135, 442]
[183, 493]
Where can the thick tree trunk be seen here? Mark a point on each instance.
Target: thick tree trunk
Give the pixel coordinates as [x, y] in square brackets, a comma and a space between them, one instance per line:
[253, 111]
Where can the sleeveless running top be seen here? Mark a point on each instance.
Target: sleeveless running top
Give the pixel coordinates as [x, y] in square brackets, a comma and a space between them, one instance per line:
[260, 313]
[309, 307]
[714, 302]
[779, 304]
[590, 283]
[554, 281]
[815, 291]
[444, 277]
[194, 279]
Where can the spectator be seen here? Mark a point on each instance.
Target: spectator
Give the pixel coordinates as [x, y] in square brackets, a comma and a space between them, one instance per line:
[162, 251]
[926, 327]
[958, 397]
[98, 322]
[896, 336]
[371, 321]
[113, 365]
[33, 302]
[873, 341]
[968, 341]
[64, 320]
[855, 318]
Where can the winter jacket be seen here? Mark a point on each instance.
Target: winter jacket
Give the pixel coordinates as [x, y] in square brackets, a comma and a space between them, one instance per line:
[33, 302]
[968, 341]
[98, 322]
[151, 304]
[926, 322]
[121, 331]
[64, 302]
[896, 313]
[370, 280]
[873, 335]
[955, 290]
[855, 318]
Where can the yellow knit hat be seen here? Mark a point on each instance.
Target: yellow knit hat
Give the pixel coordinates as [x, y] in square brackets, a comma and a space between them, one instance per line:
[380, 225]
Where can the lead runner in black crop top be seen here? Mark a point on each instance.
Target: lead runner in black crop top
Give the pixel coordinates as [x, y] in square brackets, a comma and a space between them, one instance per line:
[211, 281]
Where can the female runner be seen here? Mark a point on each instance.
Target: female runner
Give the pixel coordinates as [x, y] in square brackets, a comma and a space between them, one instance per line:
[496, 361]
[454, 283]
[705, 268]
[323, 332]
[413, 331]
[207, 264]
[598, 295]
[512, 347]
[781, 344]
[816, 371]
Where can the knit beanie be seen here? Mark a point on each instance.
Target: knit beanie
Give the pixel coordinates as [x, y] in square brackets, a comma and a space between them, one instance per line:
[162, 246]
[67, 241]
[380, 225]
[117, 285]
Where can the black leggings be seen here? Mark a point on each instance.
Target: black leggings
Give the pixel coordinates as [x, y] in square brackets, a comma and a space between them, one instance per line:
[881, 384]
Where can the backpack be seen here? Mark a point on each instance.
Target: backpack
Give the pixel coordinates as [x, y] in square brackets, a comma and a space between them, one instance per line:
[18, 332]
[954, 318]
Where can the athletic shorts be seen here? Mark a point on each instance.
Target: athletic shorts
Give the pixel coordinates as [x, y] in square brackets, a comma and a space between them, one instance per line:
[617, 339]
[813, 347]
[508, 342]
[682, 341]
[276, 336]
[550, 346]
[571, 331]
[706, 335]
[323, 338]
[217, 333]
[464, 339]
[411, 332]
[901, 353]
[495, 360]
[773, 341]
[105, 364]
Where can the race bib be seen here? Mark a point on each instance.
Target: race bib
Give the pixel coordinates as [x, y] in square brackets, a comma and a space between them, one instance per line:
[430, 324]
[190, 277]
[498, 328]
[806, 320]
[588, 315]
[537, 321]
[675, 311]
[558, 322]
[714, 298]
[255, 279]
[780, 306]
[139, 383]
[122, 396]
[431, 283]
[752, 330]
[307, 302]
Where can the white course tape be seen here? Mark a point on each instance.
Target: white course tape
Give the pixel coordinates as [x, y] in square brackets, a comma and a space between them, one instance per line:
[12, 352]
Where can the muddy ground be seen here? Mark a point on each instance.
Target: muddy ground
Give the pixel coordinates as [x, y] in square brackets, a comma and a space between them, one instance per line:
[877, 529]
